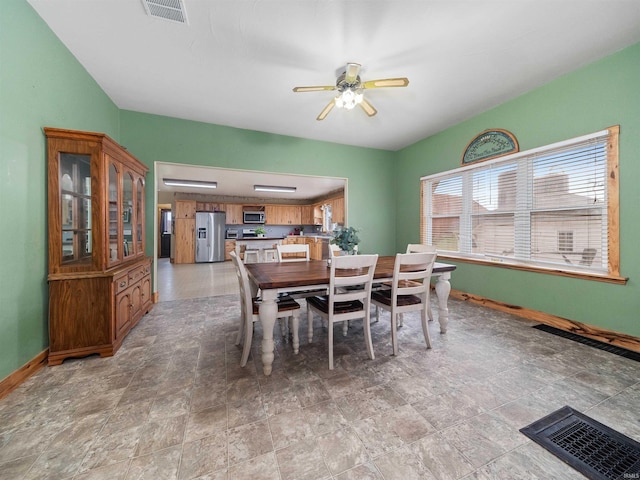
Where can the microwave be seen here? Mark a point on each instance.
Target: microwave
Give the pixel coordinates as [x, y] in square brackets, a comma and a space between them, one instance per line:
[253, 217]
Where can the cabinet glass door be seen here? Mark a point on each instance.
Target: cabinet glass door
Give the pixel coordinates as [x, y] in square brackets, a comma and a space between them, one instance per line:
[75, 191]
[139, 217]
[127, 214]
[114, 208]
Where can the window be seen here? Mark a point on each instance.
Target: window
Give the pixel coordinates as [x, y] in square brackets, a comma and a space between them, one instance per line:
[553, 207]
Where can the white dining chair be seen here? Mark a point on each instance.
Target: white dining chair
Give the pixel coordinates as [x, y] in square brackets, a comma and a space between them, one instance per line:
[335, 251]
[293, 252]
[288, 308]
[420, 248]
[409, 292]
[343, 303]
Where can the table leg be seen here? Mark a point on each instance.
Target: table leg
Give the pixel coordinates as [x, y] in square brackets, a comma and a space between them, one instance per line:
[268, 312]
[443, 288]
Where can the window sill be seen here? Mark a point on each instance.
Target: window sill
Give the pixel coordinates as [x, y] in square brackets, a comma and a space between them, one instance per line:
[549, 271]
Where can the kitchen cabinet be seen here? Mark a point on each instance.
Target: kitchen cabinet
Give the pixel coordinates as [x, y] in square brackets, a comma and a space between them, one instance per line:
[96, 243]
[315, 244]
[337, 210]
[315, 249]
[209, 207]
[229, 246]
[185, 249]
[185, 209]
[306, 215]
[184, 231]
[283, 215]
[234, 213]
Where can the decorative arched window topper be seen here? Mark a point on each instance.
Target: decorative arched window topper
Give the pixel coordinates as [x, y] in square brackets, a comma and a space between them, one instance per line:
[489, 144]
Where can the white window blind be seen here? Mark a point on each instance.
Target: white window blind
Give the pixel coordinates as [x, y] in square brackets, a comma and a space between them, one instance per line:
[544, 207]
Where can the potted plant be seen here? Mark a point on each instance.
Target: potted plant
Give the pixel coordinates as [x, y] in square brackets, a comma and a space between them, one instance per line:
[260, 231]
[346, 238]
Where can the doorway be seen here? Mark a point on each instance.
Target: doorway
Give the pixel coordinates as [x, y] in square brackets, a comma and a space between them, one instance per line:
[164, 250]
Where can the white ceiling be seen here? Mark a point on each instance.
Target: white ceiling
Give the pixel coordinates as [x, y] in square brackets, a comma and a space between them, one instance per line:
[236, 61]
[236, 183]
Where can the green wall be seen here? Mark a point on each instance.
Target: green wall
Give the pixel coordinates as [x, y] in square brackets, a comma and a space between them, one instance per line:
[590, 99]
[41, 84]
[371, 194]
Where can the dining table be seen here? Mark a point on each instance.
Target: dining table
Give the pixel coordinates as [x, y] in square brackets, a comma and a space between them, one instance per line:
[273, 279]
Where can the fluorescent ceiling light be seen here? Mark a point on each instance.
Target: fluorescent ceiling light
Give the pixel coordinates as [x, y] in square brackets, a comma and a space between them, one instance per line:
[273, 188]
[189, 183]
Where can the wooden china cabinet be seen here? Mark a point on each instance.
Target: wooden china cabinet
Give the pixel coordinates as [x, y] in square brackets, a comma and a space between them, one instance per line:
[99, 277]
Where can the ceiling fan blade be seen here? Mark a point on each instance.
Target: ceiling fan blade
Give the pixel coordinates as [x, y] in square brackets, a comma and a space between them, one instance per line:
[326, 110]
[386, 82]
[314, 89]
[351, 73]
[368, 108]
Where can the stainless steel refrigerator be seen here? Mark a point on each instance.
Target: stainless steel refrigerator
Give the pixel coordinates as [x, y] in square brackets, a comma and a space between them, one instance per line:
[210, 236]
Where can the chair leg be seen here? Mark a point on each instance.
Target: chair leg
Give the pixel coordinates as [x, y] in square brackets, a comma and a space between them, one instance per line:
[425, 327]
[367, 337]
[345, 328]
[330, 340]
[429, 312]
[248, 337]
[283, 329]
[394, 333]
[243, 319]
[400, 320]
[295, 320]
[377, 314]
[309, 325]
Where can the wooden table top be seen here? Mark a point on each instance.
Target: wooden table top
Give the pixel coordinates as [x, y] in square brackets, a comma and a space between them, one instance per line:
[315, 272]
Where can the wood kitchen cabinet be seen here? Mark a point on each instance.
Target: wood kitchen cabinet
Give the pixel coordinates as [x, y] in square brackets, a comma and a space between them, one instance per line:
[229, 246]
[185, 209]
[209, 207]
[234, 214]
[96, 197]
[315, 249]
[337, 210]
[185, 236]
[283, 215]
[184, 231]
[306, 214]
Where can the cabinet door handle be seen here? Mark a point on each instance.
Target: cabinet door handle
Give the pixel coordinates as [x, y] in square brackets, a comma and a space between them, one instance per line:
[123, 284]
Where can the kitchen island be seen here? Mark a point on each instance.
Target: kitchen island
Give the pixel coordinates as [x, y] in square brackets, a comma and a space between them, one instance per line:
[257, 243]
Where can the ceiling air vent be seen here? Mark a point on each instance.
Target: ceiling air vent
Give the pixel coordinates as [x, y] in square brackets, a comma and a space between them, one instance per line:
[172, 10]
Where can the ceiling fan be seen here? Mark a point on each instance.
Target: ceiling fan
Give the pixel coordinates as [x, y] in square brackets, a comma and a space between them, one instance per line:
[350, 90]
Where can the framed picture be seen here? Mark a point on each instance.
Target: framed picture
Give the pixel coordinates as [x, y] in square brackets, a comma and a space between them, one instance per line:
[490, 144]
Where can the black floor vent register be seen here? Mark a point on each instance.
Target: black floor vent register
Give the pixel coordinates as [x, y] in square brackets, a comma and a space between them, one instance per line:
[595, 450]
[623, 352]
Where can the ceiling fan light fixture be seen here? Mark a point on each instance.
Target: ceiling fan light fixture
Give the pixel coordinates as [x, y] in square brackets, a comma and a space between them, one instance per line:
[349, 98]
[172, 182]
[273, 188]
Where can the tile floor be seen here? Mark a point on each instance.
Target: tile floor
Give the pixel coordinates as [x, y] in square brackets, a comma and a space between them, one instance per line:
[173, 403]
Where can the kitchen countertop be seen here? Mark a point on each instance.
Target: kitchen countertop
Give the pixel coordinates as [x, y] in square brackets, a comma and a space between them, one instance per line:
[249, 239]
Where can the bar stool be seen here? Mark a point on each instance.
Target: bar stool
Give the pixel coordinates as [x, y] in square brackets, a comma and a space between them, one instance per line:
[251, 255]
[270, 255]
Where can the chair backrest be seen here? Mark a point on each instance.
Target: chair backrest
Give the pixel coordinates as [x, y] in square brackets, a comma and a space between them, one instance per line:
[351, 271]
[420, 248]
[246, 301]
[334, 250]
[294, 252]
[411, 274]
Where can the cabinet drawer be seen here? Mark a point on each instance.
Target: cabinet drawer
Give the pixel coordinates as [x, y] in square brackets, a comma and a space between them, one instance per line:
[136, 274]
[121, 283]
